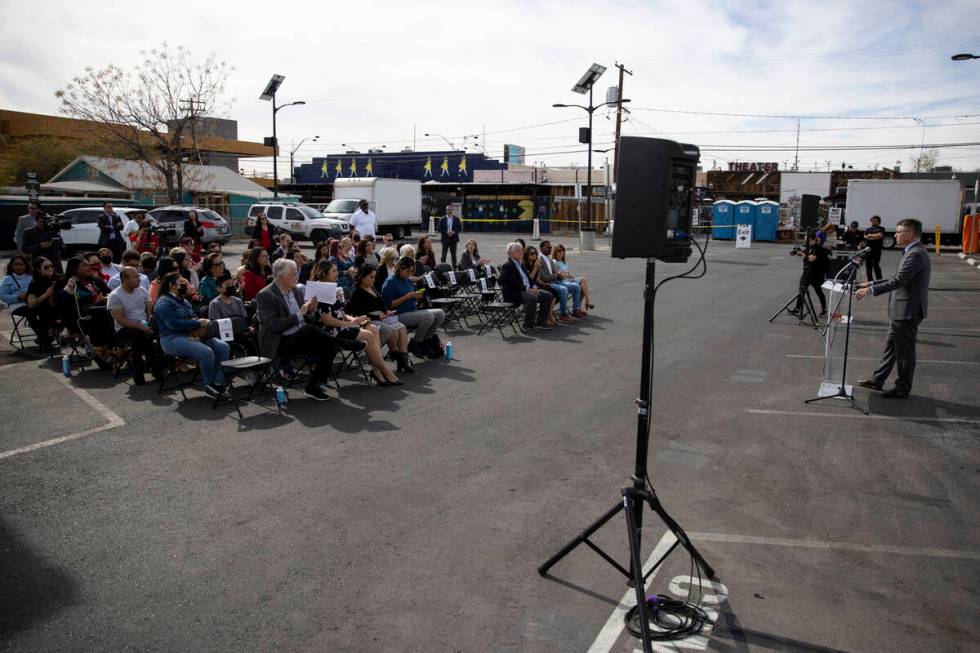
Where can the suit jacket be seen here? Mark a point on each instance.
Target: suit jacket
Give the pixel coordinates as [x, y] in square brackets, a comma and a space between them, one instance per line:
[544, 276]
[909, 287]
[274, 318]
[511, 284]
[107, 225]
[446, 224]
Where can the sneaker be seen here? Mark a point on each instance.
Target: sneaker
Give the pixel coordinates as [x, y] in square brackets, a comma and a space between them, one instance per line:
[316, 392]
[528, 328]
[542, 327]
[213, 391]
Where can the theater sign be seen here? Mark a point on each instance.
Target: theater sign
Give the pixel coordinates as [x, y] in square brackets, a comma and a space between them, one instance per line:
[753, 166]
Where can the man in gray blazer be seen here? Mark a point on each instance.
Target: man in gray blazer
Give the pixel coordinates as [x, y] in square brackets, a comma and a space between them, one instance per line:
[283, 331]
[908, 304]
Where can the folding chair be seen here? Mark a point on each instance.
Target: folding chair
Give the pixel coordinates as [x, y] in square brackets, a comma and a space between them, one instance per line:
[349, 352]
[19, 314]
[447, 302]
[234, 367]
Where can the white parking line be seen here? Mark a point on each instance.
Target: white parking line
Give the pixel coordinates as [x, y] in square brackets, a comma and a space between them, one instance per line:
[113, 421]
[866, 358]
[900, 418]
[614, 625]
[839, 546]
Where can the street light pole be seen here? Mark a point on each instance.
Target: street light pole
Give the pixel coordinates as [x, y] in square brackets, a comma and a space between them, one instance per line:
[275, 152]
[292, 152]
[588, 176]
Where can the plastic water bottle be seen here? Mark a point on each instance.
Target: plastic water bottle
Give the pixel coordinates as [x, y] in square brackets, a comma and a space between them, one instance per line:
[449, 350]
[66, 366]
[281, 397]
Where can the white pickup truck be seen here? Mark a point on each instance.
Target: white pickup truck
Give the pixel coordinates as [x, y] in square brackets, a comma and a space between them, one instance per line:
[299, 220]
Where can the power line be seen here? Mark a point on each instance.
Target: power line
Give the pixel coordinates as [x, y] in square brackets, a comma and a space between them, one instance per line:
[790, 117]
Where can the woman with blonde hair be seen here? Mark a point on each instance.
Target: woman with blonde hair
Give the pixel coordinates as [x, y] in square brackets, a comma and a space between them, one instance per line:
[558, 256]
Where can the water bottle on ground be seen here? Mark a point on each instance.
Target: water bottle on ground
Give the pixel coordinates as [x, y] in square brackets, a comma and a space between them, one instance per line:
[449, 350]
[281, 397]
[66, 366]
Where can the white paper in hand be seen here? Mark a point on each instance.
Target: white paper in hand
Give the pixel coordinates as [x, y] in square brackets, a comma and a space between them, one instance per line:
[391, 319]
[324, 291]
[225, 330]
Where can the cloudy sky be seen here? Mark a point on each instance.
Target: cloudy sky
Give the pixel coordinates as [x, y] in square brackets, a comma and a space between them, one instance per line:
[385, 73]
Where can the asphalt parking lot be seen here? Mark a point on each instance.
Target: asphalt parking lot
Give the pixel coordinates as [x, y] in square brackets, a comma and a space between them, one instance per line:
[414, 518]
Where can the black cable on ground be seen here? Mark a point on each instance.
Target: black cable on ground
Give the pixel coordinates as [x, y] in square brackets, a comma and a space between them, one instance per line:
[669, 619]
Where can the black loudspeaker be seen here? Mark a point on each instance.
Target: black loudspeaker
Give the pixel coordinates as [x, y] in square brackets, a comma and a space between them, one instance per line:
[654, 199]
[810, 212]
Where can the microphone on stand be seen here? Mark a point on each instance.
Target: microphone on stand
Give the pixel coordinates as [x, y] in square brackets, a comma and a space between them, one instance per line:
[861, 252]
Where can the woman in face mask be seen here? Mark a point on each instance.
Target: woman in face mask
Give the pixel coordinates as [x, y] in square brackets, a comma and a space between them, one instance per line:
[227, 305]
[182, 334]
[108, 267]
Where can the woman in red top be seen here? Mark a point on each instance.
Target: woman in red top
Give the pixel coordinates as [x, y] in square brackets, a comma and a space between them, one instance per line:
[263, 232]
[257, 274]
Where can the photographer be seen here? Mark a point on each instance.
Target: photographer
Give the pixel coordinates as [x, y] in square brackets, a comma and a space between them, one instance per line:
[816, 261]
[43, 239]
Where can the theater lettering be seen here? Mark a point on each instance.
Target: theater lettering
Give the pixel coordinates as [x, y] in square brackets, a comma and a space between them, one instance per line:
[752, 166]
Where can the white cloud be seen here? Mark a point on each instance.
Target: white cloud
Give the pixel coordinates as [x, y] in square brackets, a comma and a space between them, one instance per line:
[370, 70]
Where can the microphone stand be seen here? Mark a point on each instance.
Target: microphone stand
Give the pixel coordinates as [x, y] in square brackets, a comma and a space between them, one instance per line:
[842, 388]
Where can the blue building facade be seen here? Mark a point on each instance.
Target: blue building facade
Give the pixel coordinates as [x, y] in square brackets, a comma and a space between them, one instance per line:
[444, 166]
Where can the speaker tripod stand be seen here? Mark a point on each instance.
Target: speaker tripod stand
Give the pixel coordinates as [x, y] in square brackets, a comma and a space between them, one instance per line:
[639, 493]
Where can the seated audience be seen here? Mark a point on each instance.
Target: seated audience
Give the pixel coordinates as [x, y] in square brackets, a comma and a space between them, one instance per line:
[81, 306]
[130, 258]
[95, 266]
[399, 295]
[471, 256]
[365, 254]
[148, 263]
[41, 301]
[550, 279]
[257, 274]
[345, 266]
[212, 267]
[386, 268]
[109, 268]
[284, 331]
[176, 323]
[165, 266]
[227, 305]
[366, 300]
[517, 288]
[558, 257]
[186, 266]
[531, 265]
[285, 243]
[15, 293]
[425, 257]
[129, 305]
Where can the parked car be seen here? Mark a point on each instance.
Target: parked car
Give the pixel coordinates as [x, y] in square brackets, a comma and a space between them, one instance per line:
[216, 228]
[300, 220]
[84, 232]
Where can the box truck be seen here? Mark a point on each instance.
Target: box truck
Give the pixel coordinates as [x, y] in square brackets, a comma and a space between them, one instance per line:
[397, 203]
[931, 201]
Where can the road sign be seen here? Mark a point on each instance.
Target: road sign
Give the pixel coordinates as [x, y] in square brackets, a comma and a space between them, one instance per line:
[33, 186]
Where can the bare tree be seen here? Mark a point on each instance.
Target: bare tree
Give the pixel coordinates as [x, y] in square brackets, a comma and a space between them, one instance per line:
[149, 112]
[926, 160]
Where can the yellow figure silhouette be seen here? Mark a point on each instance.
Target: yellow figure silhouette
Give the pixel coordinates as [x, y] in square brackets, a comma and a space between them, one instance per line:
[353, 168]
[338, 169]
[461, 168]
[444, 168]
[428, 167]
[324, 169]
[369, 169]
[527, 209]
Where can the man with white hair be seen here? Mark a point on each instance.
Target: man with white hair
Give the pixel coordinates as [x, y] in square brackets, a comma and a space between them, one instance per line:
[283, 331]
[519, 289]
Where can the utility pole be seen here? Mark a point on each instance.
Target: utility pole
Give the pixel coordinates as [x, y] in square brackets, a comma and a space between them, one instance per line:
[619, 115]
[796, 160]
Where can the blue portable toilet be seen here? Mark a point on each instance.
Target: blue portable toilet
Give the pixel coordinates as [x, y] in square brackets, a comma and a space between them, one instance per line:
[722, 213]
[745, 214]
[766, 220]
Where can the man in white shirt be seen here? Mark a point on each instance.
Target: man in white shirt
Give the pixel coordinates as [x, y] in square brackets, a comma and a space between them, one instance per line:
[364, 220]
[131, 259]
[129, 306]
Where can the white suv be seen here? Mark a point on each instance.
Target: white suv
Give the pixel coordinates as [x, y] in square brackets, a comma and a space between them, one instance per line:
[84, 233]
[300, 220]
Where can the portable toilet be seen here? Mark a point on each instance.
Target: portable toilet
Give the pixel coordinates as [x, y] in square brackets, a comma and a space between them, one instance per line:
[745, 214]
[766, 220]
[722, 213]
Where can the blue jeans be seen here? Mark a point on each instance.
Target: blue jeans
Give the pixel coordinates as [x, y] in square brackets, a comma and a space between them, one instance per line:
[208, 353]
[563, 288]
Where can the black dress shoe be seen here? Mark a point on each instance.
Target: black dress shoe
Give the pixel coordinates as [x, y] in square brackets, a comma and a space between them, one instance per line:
[868, 383]
[895, 393]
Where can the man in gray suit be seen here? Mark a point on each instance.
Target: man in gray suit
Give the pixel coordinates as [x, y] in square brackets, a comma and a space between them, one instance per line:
[283, 331]
[908, 305]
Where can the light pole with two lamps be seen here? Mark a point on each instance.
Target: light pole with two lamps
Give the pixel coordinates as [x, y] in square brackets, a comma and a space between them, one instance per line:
[270, 94]
[584, 85]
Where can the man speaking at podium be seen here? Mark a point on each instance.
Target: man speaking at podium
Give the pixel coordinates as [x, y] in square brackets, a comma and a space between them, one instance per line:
[907, 306]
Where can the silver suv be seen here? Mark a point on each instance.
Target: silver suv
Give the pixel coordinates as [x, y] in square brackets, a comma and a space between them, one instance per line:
[216, 228]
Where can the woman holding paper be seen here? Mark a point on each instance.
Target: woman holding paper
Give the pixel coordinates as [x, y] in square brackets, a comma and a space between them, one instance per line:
[366, 300]
[337, 323]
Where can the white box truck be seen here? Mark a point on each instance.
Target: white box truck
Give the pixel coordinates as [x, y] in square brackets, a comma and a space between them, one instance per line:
[931, 201]
[397, 203]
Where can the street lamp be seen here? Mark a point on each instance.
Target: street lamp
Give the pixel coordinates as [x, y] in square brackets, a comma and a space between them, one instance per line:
[585, 84]
[293, 151]
[450, 143]
[964, 56]
[270, 94]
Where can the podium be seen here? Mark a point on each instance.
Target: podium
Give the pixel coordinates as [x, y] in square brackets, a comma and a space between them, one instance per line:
[830, 386]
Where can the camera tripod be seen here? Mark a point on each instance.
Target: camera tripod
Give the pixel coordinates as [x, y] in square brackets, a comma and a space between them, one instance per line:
[639, 493]
[804, 311]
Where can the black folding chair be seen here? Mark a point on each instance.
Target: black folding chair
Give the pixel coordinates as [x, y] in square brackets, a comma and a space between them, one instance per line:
[235, 367]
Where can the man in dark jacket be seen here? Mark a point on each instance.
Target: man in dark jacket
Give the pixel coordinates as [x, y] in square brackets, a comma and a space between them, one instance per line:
[110, 232]
[283, 331]
[449, 228]
[908, 304]
[519, 289]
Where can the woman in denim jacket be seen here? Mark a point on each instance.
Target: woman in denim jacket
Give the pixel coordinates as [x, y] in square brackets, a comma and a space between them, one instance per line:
[176, 321]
